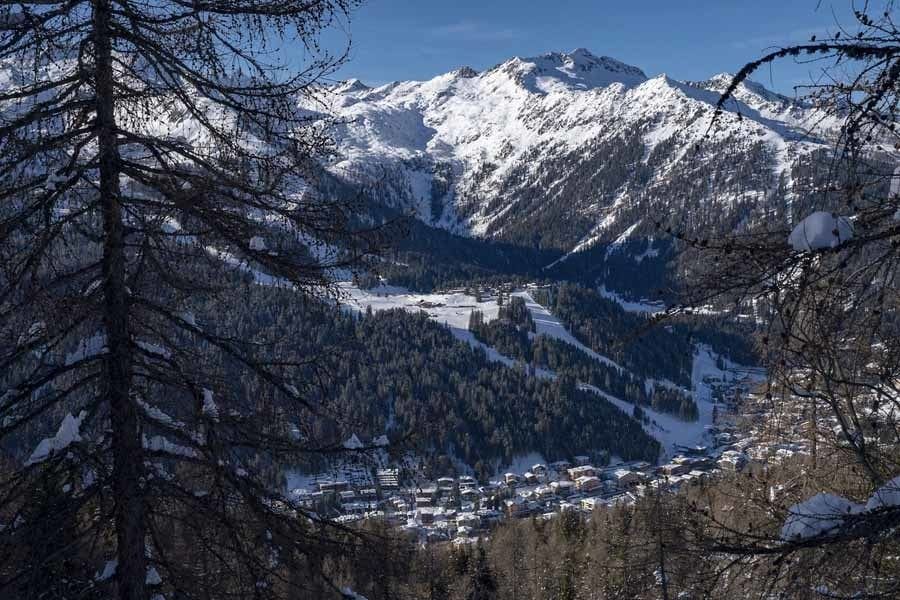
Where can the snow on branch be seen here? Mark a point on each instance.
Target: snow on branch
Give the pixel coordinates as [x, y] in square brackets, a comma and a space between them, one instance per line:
[820, 231]
[69, 432]
[824, 514]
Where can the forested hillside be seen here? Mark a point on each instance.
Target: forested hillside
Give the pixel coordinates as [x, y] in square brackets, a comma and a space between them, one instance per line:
[402, 374]
[512, 333]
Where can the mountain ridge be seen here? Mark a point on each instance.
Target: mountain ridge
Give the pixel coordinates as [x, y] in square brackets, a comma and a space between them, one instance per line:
[566, 150]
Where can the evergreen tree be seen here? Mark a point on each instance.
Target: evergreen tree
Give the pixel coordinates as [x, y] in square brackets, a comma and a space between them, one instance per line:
[481, 583]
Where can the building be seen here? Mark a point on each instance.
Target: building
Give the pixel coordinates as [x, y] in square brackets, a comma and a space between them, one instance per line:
[562, 488]
[588, 483]
[467, 481]
[445, 483]
[581, 471]
[589, 504]
[334, 486]
[625, 478]
[388, 479]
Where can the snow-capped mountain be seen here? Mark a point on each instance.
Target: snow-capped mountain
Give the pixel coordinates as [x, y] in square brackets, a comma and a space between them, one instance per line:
[568, 149]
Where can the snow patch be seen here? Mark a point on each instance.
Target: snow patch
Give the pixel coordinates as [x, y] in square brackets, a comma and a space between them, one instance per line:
[209, 407]
[67, 434]
[352, 443]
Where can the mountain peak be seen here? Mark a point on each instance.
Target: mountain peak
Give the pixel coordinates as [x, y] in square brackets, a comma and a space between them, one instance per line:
[579, 68]
[352, 85]
[748, 91]
[466, 72]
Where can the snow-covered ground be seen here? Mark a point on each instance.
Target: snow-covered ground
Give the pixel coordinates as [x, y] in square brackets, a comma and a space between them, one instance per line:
[451, 309]
[644, 306]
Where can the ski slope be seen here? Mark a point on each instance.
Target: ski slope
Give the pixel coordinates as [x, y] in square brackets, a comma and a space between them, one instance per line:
[453, 309]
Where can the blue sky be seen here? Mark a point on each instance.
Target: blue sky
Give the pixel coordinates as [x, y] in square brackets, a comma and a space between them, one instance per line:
[687, 39]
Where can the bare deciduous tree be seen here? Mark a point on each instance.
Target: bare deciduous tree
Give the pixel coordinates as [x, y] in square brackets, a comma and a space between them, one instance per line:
[827, 304]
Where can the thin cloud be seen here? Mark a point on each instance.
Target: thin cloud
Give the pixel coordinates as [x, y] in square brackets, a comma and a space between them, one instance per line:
[780, 39]
[473, 31]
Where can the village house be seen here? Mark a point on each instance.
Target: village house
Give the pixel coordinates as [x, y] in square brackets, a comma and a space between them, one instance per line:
[467, 481]
[511, 478]
[562, 488]
[470, 520]
[581, 471]
[469, 494]
[625, 478]
[515, 507]
[544, 492]
[587, 484]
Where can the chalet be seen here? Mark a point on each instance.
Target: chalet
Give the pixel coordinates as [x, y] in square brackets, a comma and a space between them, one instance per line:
[671, 469]
[515, 507]
[732, 461]
[588, 483]
[511, 478]
[427, 515]
[489, 516]
[530, 478]
[539, 470]
[625, 478]
[424, 500]
[469, 494]
[562, 488]
[426, 496]
[543, 492]
[699, 476]
[582, 471]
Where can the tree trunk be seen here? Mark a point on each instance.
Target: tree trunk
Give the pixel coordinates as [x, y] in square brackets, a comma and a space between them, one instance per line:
[126, 436]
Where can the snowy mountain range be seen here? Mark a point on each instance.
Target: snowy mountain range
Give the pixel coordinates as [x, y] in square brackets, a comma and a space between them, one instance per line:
[567, 150]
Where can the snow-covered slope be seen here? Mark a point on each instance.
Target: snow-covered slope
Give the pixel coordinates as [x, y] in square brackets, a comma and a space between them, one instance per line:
[564, 150]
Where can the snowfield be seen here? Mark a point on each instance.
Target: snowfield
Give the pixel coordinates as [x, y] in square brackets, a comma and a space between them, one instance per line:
[451, 309]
